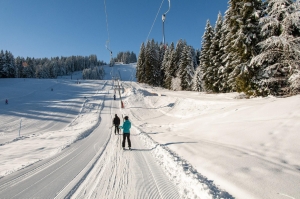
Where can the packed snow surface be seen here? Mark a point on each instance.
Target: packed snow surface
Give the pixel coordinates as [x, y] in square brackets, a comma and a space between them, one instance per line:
[209, 145]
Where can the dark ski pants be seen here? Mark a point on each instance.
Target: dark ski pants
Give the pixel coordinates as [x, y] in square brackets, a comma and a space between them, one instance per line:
[116, 129]
[126, 135]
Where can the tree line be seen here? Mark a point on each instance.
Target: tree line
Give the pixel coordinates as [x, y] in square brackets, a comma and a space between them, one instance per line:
[20, 67]
[254, 48]
[126, 57]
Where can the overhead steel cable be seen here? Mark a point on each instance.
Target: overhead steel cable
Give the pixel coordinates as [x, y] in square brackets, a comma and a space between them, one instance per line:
[106, 20]
[108, 41]
[154, 20]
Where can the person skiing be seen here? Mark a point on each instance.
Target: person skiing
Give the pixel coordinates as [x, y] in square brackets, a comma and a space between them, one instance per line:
[114, 96]
[126, 132]
[116, 123]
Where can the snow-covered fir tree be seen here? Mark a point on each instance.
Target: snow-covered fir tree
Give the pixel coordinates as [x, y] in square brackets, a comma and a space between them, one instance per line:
[161, 55]
[222, 83]
[278, 61]
[29, 68]
[241, 21]
[94, 72]
[174, 65]
[3, 70]
[156, 64]
[197, 80]
[164, 65]
[195, 56]
[44, 67]
[7, 66]
[19, 66]
[205, 59]
[249, 34]
[215, 55]
[167, 66]
[186, 68]
[140, 67]
[152, 68]
[176, 57]
[126, 57]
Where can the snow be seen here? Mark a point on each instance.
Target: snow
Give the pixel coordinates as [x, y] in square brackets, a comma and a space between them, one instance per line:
[209, 145]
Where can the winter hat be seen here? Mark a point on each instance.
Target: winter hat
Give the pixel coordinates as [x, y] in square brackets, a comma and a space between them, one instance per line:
[126, 117]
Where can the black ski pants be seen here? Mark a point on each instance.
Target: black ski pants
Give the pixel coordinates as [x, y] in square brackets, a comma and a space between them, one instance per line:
[126, 135]
[116, 129]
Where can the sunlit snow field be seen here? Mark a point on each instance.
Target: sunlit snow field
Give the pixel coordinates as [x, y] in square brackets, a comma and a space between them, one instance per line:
[248, 147]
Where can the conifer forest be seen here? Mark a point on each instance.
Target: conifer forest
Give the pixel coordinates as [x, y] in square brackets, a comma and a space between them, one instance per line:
[254, 48]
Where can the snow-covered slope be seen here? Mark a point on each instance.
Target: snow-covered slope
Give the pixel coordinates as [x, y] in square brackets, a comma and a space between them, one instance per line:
[205, 142]
[247, 146]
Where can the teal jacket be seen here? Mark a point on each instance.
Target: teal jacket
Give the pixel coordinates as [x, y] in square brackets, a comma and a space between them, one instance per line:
[126, 126]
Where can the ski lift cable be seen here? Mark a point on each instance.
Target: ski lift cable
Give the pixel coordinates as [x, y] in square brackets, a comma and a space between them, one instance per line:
[155, 19]
[106, 45]
[107, 42]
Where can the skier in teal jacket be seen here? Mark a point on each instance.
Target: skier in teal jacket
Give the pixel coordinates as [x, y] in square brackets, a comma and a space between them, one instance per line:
[126, 132]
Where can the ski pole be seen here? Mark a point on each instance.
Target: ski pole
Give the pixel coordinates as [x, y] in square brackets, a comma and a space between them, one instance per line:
[122, 134]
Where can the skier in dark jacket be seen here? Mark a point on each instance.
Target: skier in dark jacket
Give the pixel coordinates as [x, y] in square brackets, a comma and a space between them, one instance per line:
[126, 132]
[116, 123]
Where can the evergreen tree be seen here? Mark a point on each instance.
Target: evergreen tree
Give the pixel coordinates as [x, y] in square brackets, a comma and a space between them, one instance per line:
[197, 80]
[195, 58]
[43, 68]
[161, 55]
[157, 59]
[126, 57]
[140, 67]
[167, 66]
[133, 58]
[53, 69]
[205, 59]
[241, 20]
[147, 65]
[151, 63]
[186, 68]
[29, 68]
[249, 37]
[222, 82]
[198, 53]
[19, 67]
[216, 54]
[231, 23]
[7, 68]
[164, 66]
[1, 64]
[174, 65]
[11, 65]
[278, 61]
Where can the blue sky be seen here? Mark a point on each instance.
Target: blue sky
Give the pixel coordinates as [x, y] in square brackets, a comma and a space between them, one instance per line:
[38, 28]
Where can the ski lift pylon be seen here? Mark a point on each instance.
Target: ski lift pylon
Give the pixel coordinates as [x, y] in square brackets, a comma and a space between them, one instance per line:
[111, 58]
[163, 20]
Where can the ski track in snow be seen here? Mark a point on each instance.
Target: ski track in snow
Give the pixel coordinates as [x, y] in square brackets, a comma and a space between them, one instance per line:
[251, 158]
[126, 174]
[152, 169]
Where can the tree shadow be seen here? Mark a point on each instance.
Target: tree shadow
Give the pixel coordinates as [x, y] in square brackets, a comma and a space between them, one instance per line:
[154, 133]
[140, 149]
[169, 105]
[170, 143]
